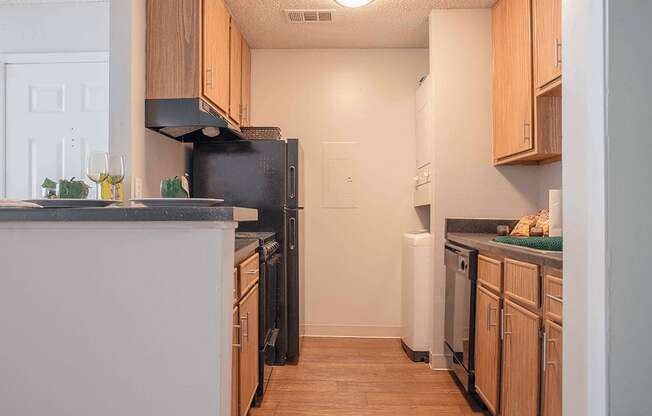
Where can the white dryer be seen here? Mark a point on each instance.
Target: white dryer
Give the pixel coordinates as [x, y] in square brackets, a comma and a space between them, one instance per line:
[417, 295]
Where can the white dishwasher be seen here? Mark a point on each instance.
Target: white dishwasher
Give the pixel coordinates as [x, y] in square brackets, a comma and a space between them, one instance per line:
[416, 333]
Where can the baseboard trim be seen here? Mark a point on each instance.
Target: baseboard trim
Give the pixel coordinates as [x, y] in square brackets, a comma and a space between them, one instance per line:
[439, 362]
[352, 331]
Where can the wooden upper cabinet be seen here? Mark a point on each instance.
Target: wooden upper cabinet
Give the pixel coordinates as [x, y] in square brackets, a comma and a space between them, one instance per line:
[512, 78]
[235, 106]
[246, 84]
[174, 57]
[552, 387]
[547, 41]
[487, 350]
[216, 67]
[521, 361]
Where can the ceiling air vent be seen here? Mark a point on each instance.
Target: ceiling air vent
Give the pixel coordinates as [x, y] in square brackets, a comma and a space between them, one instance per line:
[309, 16]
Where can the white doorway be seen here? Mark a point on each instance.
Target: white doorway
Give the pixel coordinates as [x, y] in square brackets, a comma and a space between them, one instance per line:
[56, 111]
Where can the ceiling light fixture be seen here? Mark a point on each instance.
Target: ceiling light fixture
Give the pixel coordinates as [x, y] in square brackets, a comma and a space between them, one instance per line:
[353, 3]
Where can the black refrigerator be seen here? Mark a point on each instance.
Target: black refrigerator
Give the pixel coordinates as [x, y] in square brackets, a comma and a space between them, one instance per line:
[262, 174]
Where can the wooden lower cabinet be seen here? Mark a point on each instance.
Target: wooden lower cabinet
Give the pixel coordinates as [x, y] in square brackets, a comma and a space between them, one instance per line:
[235, 364]
[248, 366]
[552, 376]
[487, 353]
[521, 361]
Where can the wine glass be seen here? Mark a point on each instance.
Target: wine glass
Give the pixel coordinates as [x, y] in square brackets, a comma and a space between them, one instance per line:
[116, 172]
[97, 169]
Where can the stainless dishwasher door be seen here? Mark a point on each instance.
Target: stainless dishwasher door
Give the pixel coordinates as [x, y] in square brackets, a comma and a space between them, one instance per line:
[459, 323]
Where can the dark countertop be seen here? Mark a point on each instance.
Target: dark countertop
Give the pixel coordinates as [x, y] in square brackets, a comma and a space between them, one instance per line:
[244, 247]
[129, 214]
[484, 242]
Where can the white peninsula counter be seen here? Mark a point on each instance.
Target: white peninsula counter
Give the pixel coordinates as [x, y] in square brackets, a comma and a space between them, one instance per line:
[117, 311]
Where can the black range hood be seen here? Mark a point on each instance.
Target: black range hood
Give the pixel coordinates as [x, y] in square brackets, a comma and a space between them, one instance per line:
[188, 120]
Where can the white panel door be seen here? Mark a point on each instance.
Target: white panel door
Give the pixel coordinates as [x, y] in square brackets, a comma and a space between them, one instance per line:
[56, 113]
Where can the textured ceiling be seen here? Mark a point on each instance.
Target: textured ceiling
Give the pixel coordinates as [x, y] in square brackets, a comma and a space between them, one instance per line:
[381, 24]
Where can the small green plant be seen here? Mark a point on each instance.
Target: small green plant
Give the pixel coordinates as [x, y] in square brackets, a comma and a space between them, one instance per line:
[49, 188]
[176, 187]
[72, 189]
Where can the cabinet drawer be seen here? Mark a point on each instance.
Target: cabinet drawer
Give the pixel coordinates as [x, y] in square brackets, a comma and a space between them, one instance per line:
[249, 271]
[553, 302]
[522, 282]
[490, 272]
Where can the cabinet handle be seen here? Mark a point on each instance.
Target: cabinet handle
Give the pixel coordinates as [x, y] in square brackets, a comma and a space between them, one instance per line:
[505, 332]
[544, 353]
[247, 328]
[243, 331]
[488, 317]
[252, 271]
[240, 344]
[209, 77]
[502, 323]
[557, 53]
[526, 135]
[549, 363]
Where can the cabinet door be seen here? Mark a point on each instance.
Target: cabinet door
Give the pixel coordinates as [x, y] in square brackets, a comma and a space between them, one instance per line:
[512, 77]
[553, 370]
[216, 54]
[249, 349]
[487, 348]
[235, 364]
[547, 40]
[235, 106]
[521, 362]
[246, 84]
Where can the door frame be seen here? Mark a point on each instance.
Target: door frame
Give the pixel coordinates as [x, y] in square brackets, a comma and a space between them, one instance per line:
[32, 58]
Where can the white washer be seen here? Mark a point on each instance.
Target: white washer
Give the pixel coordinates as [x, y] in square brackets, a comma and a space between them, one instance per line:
[416, 334]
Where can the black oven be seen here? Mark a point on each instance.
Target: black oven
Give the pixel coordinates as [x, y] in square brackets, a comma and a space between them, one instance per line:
[459, 325]
[271, 285]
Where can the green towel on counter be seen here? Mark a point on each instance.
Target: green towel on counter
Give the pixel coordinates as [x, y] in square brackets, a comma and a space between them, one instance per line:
[539, 243]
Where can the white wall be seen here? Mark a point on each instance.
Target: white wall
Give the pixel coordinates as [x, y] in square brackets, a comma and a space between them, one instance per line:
[629, 196]
[353, 256]
[549, 178]
[149, 155]
[466, 184]
[55, 27]
[584, 208]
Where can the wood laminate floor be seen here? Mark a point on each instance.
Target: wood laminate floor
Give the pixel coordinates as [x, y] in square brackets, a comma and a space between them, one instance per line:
[356, 377]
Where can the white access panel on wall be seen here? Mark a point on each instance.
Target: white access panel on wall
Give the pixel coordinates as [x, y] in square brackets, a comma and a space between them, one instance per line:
[56, 113]
[339, 181]
[424, 128]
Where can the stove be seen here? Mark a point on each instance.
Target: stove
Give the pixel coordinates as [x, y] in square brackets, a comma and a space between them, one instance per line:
[272, 318]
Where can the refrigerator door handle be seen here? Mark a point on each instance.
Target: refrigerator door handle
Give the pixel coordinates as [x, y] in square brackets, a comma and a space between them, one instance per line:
[293, 232]
[293, 182]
